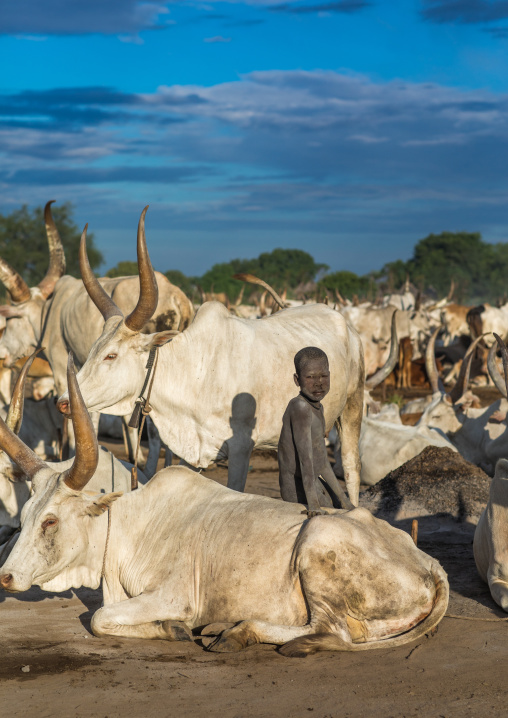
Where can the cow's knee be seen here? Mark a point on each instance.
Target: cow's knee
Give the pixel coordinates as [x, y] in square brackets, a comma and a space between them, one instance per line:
[101, 625]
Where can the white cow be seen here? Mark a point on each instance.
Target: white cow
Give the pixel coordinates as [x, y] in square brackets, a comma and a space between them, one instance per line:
[221, 387]
[58, 314]
[186, 552]
[386, 445]
[490, 543]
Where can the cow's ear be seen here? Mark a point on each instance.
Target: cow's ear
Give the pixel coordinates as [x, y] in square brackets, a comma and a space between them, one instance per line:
[161, 338]
[102, 503]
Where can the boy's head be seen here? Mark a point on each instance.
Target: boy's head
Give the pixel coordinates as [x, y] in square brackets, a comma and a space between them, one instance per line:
[312, 373]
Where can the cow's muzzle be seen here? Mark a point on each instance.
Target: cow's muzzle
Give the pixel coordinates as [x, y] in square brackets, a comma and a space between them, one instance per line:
[6, 580]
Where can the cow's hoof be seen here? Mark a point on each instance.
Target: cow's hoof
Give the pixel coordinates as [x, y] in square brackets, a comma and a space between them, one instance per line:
[177, 631]
[215, 629]
[226, 644]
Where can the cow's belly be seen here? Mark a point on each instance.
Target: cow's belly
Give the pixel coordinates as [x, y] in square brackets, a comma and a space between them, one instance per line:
[268, 594]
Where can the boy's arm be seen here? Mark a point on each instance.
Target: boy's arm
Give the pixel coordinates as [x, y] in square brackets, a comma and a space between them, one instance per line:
[301, 419]
[330, 478]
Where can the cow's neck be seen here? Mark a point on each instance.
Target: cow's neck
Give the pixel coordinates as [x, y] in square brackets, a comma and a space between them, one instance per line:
[88, 571]
[175, 388]
[127, 571]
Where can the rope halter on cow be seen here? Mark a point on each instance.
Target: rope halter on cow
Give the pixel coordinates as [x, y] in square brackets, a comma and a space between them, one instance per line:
[142, 408]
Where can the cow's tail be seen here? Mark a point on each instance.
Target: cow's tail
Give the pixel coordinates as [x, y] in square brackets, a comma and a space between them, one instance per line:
[301, 647]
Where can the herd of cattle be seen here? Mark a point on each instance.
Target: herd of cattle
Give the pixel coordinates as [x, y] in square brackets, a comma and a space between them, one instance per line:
[183, 556]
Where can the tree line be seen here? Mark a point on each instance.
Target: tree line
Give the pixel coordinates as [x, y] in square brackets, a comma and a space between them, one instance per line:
[477, 268]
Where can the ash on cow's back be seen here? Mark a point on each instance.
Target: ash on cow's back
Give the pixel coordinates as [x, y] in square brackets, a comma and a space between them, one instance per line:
[436, 482]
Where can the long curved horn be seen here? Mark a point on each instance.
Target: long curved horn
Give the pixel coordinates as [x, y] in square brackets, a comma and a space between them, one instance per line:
[240, 296]
[262, 305]
[148, 289]
[15, 413]
[243, 277]
[14, 283]
[56, 267]
[494, 372]
[87, 449]
[430, 361]
[463, 380]
[102, 301]
[390, 363]
[452, 290]
[504, 355]
[25, 458]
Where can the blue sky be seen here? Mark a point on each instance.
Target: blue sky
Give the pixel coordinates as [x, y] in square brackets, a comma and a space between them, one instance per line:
[350, 129]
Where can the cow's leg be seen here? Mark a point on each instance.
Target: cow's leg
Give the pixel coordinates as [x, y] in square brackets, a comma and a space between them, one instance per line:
[168, 455]
[239, 453]
[247, 633]
[349, 425]
[154, 448]
[136, 618]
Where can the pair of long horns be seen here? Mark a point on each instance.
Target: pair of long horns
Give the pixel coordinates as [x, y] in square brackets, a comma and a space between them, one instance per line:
[148, 294]
[461, 385]
[14, 282]
[392, 360]
[87, 450]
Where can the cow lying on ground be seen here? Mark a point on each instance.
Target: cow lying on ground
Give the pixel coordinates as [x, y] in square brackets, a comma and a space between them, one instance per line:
[186, 552]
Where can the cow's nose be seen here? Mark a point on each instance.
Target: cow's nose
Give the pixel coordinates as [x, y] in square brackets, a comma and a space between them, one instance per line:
[6, 580]
[63, 406]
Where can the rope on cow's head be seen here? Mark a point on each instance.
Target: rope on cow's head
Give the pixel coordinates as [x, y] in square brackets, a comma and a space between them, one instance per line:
[142, 408]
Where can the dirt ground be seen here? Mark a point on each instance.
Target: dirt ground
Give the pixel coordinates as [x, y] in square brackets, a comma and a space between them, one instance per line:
[51, 665]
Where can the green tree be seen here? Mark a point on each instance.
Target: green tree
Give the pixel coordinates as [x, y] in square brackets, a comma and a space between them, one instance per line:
[463, 256]
[392, 276]
[23, 242]
[281, 268]
[179, 279]
[348, 284]
[123, 269]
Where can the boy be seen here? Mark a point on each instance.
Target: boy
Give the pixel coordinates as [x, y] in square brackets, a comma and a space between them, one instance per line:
[302, 452]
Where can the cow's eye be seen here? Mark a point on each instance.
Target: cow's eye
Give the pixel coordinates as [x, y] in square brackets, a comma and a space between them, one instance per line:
[110, 357]
[48, 523]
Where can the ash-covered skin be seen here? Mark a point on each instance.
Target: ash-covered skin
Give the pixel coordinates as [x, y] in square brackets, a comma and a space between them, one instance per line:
[302, 452]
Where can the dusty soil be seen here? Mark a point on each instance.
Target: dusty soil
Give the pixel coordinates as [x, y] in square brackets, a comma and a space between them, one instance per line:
[460, 671]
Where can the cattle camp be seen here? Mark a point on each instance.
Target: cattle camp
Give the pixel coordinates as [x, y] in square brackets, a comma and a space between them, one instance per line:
[253, 359]
[229, 484]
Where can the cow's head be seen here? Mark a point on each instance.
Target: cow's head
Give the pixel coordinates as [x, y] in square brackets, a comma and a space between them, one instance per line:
[114, 371]
[62, 538]
[447, 410]
[23, 315]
